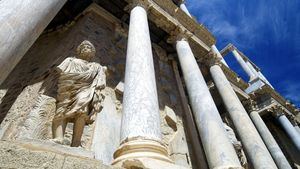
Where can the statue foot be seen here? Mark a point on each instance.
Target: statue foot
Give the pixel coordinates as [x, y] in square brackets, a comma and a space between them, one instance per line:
[57, 140]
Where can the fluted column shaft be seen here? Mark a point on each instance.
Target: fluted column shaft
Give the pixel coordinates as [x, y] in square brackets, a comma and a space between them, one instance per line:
[140, 128]
[270, 142]
[22, 22]
[251, 140]
[290, 130]
[218, 149]
[243, 64]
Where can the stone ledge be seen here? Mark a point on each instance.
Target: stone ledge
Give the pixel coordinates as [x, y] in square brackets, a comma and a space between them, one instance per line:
[26, 155]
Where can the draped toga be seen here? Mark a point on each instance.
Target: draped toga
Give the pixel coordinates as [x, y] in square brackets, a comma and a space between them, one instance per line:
[77, 82]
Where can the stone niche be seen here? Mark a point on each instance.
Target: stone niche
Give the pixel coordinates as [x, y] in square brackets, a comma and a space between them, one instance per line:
[27, 103]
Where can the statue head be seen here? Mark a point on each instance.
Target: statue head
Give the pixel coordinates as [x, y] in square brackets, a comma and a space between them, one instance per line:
[86, 50]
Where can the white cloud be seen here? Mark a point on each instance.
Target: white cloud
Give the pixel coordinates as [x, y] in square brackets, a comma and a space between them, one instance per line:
[241, 22]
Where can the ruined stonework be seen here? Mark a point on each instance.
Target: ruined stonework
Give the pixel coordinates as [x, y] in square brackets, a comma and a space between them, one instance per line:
[136, 84]
[28, 106]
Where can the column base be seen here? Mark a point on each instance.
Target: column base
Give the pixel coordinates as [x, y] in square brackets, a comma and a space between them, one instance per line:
[141, 148]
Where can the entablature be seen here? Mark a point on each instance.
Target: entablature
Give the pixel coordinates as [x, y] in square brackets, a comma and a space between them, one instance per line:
[270, 97]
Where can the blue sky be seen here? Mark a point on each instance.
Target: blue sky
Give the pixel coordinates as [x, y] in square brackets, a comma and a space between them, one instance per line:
[267, 31]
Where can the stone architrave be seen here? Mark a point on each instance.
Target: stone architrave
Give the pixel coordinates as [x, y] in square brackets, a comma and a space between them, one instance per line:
[140, 128]
[255, 148]
[218, 149]
[22, 22]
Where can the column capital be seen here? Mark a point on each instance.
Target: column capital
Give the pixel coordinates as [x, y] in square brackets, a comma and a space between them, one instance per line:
[213, 59]
[134, 3]
[276, 110]
[231, 47]
[251, 105]
[292, 118]
[179, 34]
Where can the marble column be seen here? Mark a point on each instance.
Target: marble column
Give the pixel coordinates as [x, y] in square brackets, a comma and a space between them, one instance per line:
[269, 140]
[140, 128]
[264, 78]
[252, 68]
[184, 8]
[215, 50]
[255, 148]
[288, 128]
[243, 64]
[298, 129]
[218, 149]
[258, 73]
[22, 22]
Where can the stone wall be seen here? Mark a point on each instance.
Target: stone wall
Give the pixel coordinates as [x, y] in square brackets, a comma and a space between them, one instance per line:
[25, 90]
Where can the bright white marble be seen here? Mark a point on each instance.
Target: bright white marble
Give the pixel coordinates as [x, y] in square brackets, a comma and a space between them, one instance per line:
[218, 149]
[140, 102]
[215, 50]
[290, 130]
[22, 22]
[255, 148]
[243, 64]
[270, 142]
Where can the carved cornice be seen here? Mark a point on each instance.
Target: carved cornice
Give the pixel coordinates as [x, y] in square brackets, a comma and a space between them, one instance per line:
[179, 34]
[276, 96]
[234, 78]
[277, 110]
[174, 14]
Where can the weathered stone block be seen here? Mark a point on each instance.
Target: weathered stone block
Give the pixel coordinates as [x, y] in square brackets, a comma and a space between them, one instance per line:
[107, 129]
[120, 88]
[179, 149]
[171, 117]
[34, 156]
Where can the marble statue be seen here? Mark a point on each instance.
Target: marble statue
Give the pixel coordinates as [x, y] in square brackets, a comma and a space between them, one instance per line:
[237, 145]
[78, 93]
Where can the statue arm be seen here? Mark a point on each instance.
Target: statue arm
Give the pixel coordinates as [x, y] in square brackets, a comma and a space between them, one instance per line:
[101, 81]
[63, 66]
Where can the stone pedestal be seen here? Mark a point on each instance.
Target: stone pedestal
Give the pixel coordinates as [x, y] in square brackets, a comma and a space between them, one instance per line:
[21, 24]
[251, 140]
[289, 129]
[270, 142]
[218, 149]
[243, 64]
[140, 128]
